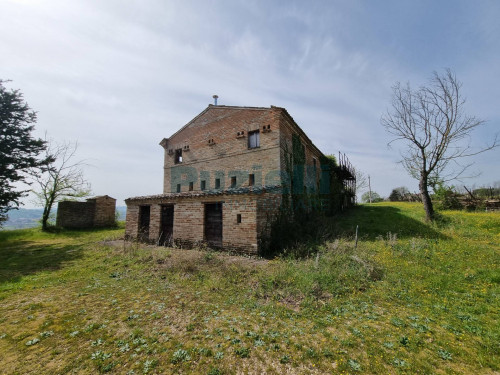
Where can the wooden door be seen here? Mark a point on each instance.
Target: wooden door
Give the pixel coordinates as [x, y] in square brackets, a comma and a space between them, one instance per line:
[213, 224]
[166, 224]
[144, 217]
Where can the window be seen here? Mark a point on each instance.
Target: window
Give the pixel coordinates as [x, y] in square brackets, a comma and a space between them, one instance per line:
[233, 181]
[178, 156]
[253, 139]
[203, 185]
[217, 183]
[178, 188]
[251, 180]
[238, 218]
[191, 186]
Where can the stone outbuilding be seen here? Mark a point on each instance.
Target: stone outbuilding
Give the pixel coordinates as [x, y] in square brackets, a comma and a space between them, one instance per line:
[224, 176]
[94, 212]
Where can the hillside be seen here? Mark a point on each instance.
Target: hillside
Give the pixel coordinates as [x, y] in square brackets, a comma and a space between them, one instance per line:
[30, 218]
[411, 298]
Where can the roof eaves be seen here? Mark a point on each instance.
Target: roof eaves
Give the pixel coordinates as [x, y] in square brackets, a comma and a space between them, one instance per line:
[213, 192]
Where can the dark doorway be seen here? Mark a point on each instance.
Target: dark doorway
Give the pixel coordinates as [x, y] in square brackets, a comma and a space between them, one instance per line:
[166, 225]
[144, 217]
[213, 224]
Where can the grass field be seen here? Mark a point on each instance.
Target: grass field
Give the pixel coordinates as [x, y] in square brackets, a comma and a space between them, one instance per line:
[411, 298]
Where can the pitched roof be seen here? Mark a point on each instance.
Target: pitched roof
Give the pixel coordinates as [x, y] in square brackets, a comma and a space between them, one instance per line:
[212, 107]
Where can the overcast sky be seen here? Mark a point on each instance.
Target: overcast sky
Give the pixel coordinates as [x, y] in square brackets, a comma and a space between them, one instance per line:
[118, 76]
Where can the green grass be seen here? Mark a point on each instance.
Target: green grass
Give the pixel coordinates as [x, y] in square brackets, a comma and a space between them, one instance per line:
[411, 298]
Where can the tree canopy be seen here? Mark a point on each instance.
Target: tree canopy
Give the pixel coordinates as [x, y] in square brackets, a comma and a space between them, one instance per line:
[432, 123]
[62, 178]
[19, 150]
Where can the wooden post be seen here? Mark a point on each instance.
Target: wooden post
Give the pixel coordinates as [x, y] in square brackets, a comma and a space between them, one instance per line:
[370, 188]
[356, 240]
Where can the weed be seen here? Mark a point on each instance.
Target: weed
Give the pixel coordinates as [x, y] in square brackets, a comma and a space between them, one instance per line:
[214, 371]
[149, 364]
[46, 334]
[443, 354]
[180, 355]
[285, 359]
[242, 352]
[219, 355]
[354, 364]
[404, 340]
[32, 341]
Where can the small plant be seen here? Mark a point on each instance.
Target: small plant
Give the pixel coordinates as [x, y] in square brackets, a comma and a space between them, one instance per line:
[354, 364]
[208, 256]
[258, 342]
[443, 354]
[219, 355]
[397, 322]
[404, 340]
[285, 359]
[180, 356]
[242, 352]
[47, 334]
[97, 342]
[32, 342]
[100, 356]
[399, 362]
[214, 371]
[149, 364]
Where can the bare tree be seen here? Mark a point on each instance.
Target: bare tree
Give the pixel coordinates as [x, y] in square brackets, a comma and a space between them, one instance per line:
[62, 178]
[361, 180]
[436, 131]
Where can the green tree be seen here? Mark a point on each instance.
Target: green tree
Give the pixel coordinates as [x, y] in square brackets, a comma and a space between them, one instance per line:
[365, 198]
[19, 150]
[398, 194]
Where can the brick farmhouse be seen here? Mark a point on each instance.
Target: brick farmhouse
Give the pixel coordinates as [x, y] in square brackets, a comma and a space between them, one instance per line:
[224, 175]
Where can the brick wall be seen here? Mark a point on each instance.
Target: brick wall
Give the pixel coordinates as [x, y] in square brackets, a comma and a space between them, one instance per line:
[105, 208]
[229, 154]
[255, 210]
[287, 128]
[95, 212]
[75, 214]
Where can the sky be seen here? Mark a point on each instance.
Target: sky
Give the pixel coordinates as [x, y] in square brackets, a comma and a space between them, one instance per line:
[118, 77]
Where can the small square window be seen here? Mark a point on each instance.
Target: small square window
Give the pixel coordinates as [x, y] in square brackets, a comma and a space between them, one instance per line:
[254, 139]
[191, 186]
[203, 185]
[178, 156]
[251, 180]
[217, 183]
[238, 218]
[178, 188]
[233, 181]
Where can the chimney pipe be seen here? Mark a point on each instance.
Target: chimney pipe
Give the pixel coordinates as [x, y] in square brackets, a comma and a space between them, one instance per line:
[215, 99]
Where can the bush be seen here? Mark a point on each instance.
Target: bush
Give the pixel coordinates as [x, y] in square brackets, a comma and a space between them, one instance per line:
[398, 194]
[446, 198]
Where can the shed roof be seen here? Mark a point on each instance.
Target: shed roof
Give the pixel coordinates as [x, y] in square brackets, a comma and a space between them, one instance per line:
[212, 192]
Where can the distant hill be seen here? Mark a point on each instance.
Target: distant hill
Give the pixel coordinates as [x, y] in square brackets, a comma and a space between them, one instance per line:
[30, 218]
